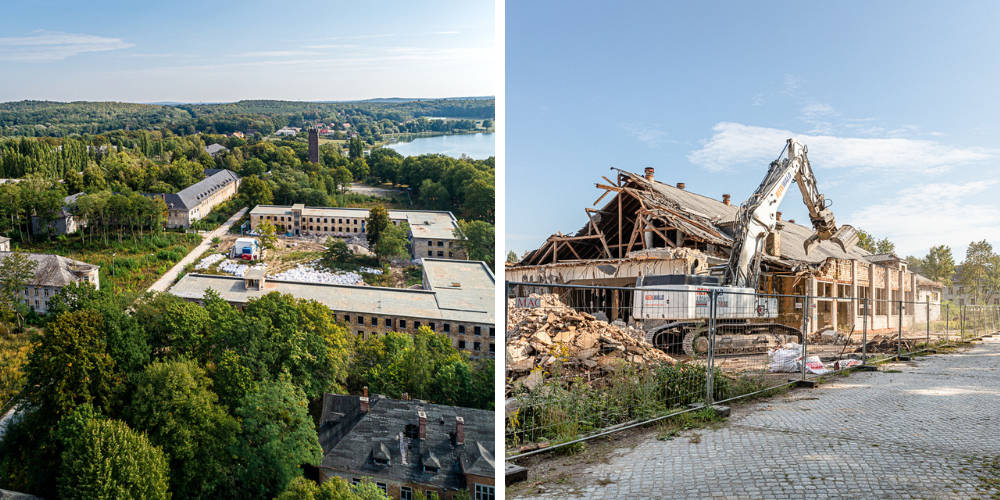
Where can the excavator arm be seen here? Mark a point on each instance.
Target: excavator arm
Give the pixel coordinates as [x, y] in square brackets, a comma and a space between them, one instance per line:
[757, 217]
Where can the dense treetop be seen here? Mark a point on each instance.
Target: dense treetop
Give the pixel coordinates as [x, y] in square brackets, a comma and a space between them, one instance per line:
[57, 119]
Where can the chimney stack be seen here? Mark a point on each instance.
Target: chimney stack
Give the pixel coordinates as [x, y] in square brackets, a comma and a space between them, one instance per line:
[459, 430]
[778, 215]
[725, 199]
[791, 221]
[366, 392]
[649, 174]
[680, 185]
[363, 400]
[422, 424]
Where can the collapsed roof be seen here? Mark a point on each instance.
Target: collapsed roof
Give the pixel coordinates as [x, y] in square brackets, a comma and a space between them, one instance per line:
[645, 212]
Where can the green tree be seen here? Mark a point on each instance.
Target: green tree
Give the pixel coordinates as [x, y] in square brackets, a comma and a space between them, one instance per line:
[337, 254]
[267, 234]
[392, 243]
[980, 271]
[873, 245]
[356, 148]
[336, 488]
[938, 265]
[69, 365]
[378, 220]
[254, 191]
[278, 437]
[477, 239]
[175, 327]
[16, 270]
[174, 404]
[105, 459]
[342, 177]
[512, 257]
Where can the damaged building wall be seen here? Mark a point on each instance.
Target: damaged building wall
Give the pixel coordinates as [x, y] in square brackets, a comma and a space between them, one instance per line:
[651, 228]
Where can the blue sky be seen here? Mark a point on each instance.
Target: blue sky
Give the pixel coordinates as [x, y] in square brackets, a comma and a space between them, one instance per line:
[897, 102]
[226, 51]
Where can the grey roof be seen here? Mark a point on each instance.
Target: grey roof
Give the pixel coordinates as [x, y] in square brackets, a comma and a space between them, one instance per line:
[67, 201]
[470, 301]
[793, 236]
[192, 195]
[4, 239]
[214, 149]
[350, 439]
[54, 270]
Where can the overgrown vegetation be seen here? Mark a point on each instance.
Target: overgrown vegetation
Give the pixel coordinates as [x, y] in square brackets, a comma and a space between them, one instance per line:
[131, 265]
[561, 409]
[220, 396]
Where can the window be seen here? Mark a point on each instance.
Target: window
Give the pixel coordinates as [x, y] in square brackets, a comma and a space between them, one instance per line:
[384, 487]
[361, 333]
[355, 480]
[388, 322]
[431, 495]
[405, 493]
[347, 318]
[447, 327]
[461, 328]
[430, 253]
[361, 320]
[380, 461]
[492, 348]
[461, 344]
[430, 469]
[402, 323]
[483, 492]
[477, 331]
[493, 332]
[431, 325]
[374, 321]
[440, 243]
[416, 324]
[440, 253]
[476, 346]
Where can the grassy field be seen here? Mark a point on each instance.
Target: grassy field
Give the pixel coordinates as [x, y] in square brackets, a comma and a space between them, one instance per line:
[131, 265]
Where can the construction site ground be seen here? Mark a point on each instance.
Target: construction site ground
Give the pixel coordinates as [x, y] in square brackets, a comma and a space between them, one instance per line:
[289, 252]
[920, 429]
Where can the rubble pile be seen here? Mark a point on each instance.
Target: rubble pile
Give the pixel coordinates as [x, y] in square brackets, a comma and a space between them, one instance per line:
[538, 338]
[237, 269]
[308, 273]
[209, 261]
[888, 344]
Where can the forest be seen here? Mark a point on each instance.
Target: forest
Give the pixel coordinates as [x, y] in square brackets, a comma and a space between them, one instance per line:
[370, 119]
[206, 401]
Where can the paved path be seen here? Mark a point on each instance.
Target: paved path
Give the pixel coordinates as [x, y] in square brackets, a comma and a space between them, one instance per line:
[167, 279]
[924, 432]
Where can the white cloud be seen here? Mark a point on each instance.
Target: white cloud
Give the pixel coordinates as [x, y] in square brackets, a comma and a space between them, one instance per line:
[734, 144]
[758, 100]
[918, 217]
[55, 46]
[650, 136]
[278, 53]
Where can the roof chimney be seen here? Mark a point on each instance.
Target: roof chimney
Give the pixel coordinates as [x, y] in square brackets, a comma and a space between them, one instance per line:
[778, 215]
[680, 185]
[421, 424]
[791, 221]
[459, 430]
[649, 174]
[366, 391]
[725, 199]
[363, 400]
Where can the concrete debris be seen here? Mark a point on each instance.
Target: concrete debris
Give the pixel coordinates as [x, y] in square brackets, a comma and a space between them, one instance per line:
[207, 262]
[538, 338]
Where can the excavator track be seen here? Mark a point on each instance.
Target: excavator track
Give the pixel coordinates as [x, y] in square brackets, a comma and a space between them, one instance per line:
[730, 341]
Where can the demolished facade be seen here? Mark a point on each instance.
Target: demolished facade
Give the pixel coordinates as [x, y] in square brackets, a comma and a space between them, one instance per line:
[651, 228]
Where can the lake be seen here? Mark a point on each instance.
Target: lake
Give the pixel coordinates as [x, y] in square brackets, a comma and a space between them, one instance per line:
[478, 146]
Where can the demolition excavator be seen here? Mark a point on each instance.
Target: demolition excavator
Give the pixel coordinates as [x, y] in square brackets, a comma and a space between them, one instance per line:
[675, 309]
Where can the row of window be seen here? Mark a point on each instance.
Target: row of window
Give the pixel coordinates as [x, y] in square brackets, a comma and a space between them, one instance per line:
[401, 323]
[440, 243]
[430, 253]
[406, 492]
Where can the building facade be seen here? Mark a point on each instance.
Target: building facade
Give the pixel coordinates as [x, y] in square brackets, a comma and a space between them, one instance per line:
[198, 200]
[652, 228]
[408, 446]
[433, 234]
[64, 222]
[456, 300]
[52, 273]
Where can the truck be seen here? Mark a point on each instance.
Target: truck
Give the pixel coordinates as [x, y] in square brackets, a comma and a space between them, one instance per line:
[674, 310]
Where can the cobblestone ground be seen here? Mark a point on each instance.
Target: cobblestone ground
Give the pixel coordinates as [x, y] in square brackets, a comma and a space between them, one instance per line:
[921, 433]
